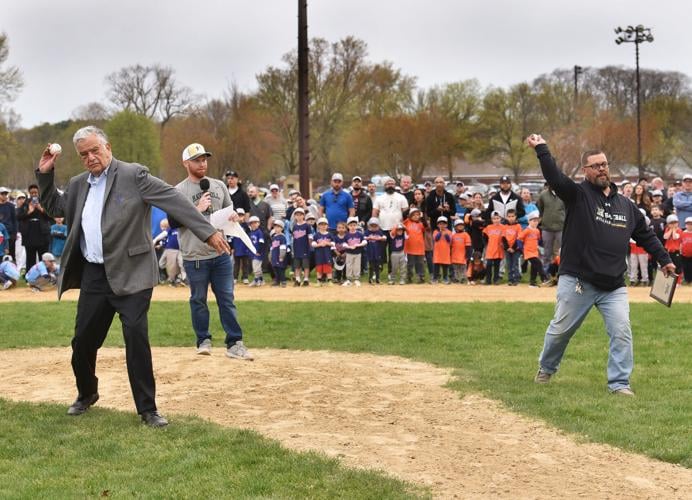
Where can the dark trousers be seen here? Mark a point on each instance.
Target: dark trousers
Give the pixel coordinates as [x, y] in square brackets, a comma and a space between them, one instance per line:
[95, 310]
[687, 268]
[492, 269]
[33, 254]
[536, 269]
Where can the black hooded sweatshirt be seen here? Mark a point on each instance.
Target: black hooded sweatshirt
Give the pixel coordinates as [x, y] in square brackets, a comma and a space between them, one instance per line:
[597, 228]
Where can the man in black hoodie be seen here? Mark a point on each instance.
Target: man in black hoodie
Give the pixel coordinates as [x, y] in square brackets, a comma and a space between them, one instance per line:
[598, 226]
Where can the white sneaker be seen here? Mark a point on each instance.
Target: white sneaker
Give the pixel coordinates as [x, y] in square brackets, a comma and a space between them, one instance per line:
[239, 351]
[357, 282]
[7, 284]
[346, 283]
[204, 348]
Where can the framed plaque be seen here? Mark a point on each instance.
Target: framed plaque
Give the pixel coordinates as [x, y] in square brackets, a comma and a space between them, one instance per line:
[663, 287]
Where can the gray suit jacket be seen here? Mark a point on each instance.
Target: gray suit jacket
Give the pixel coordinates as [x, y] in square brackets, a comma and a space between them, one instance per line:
[128, 252]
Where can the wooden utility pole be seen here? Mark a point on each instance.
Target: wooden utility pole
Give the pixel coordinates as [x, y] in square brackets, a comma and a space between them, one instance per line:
[303, 101]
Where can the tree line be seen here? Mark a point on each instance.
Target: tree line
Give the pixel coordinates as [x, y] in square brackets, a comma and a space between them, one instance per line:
[366, 117]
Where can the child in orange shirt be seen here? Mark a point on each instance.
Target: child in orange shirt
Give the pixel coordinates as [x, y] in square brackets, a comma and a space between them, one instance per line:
[414, 246]
[512, 249]
[672, 236]
[493, 249]
[530, 238]
[442, 258]
[461, 250]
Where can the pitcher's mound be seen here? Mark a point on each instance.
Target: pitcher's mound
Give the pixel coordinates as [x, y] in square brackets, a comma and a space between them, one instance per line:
[371, 411]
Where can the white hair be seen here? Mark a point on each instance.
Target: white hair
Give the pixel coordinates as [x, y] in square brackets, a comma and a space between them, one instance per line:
[87, 131]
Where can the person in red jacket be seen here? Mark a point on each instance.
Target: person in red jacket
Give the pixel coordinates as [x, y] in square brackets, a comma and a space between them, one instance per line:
[672, 236]
[686, 251]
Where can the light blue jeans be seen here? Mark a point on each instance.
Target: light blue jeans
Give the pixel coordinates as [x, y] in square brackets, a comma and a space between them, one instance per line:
[570, 311]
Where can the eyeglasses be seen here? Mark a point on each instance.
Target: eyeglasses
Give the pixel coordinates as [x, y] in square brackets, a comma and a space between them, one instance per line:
[598, 166]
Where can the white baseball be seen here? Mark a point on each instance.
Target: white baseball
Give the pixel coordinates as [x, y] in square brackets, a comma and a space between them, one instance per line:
[55, 148]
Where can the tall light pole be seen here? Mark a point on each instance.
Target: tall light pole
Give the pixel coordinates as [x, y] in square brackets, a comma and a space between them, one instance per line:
[636, 35]
[303, 101]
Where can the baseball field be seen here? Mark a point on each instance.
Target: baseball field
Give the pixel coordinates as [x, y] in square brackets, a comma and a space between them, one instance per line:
[379, 392]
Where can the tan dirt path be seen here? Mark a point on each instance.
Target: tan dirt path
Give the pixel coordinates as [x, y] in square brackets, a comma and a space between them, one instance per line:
[367, 293]
[379, 412]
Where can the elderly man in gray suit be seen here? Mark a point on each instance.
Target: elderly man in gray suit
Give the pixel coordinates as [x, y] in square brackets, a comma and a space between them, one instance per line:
[109, 256]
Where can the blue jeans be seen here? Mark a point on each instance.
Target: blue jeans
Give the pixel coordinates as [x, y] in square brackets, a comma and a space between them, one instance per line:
[219, 273]
[512, 263]
[570, 311]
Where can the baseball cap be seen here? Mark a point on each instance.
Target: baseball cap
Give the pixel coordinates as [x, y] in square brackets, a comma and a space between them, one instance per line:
[442, 218]
[656, 192]
[21, 194]
[352, 219]
[533, 215]
[193, 151]
[293, 191]
[356, 178]
[373, 221]
[273, 187]
[240, 211]
[401, 226]
[253, 218]
[495, 214]
[3, 189]
[48, 257]
[475, 212]
[231, 173]
[337, 177]
[413, 211]
[427, 183]
[322, 220]
[688, 220]
[279, 222]
[505, 178]
[687, 177]
[298, 211]
[460, 183]
[309, 216]
[7, 258]
[459, 222]
[671, 218]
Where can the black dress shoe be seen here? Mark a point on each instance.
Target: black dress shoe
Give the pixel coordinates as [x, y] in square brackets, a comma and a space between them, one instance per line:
[154, 419]
[82, 404]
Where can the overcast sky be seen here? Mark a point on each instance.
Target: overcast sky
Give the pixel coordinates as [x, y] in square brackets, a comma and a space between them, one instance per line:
[65, 49]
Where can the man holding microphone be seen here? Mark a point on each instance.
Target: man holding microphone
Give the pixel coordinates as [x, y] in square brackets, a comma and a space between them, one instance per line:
[203, 265]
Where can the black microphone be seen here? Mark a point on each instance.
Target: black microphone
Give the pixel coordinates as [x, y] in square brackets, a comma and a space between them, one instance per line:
[204, 186]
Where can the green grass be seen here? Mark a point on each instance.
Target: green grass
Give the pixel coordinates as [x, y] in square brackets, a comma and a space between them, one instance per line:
[493, 348]
[47, 454]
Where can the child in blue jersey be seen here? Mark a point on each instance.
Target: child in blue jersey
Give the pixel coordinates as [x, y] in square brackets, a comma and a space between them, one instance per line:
[340, 253]
[241, 254]
[257, 239]
[9, 274]
[374, 251]
[302, 240]
[279, 254]
[58, 235]
[44, 274]
[354, 249]
[397, 257]
[322, 243]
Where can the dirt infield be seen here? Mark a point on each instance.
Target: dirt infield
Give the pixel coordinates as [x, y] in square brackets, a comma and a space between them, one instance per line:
[378, 412]
[367, 293]
[370, 411]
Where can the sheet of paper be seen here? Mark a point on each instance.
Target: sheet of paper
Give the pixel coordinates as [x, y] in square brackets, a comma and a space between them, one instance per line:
[502, 208]
[219, 220]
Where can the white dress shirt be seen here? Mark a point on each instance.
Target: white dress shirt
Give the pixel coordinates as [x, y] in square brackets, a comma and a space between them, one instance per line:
[91, 241]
